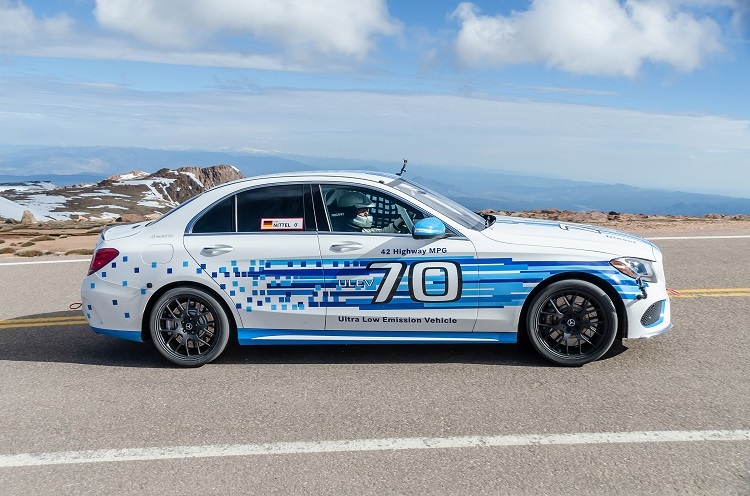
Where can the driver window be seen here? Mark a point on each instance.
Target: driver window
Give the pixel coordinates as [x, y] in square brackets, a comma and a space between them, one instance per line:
[352, 209]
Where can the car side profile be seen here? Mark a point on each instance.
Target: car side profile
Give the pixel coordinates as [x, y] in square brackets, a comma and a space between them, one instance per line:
[367, 258]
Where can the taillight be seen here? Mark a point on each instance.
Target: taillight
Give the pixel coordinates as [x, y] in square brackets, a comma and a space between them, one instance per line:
[101, 258]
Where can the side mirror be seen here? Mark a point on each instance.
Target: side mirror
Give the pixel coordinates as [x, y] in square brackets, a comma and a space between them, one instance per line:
[428, 228]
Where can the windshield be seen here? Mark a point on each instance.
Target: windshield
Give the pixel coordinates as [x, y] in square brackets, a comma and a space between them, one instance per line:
[441, 204]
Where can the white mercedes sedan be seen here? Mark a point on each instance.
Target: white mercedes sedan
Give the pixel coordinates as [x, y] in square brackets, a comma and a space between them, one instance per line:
[367, 258]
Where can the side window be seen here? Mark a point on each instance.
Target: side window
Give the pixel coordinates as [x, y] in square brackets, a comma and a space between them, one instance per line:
[218, 219]
[275, 209]
[349, 208]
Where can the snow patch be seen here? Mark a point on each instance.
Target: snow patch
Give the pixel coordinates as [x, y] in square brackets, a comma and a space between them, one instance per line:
[150, 203]
[109, 206]
[193, 177]
[129, 176]
[107, 215]
[42, 206]
[11, 210]
[150, 182]
[153, 195]
[102, 192]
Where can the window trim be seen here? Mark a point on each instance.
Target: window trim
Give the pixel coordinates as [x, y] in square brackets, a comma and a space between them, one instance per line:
[316, 189]
[317, 198]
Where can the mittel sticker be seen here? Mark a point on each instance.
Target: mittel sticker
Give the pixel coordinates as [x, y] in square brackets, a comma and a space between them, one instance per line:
[281, 224]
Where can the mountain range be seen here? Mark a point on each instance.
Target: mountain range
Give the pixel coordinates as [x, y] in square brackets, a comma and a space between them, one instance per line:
[476, 188]
[134, 196]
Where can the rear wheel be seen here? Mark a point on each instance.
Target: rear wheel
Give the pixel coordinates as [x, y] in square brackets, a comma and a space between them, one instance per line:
[189, 326]
[572, 322]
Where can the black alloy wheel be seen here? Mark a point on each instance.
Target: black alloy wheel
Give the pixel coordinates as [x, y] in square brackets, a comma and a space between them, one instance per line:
[189, 327]
[572, 322]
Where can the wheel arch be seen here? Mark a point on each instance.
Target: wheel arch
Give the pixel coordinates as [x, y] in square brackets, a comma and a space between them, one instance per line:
[231, 317]
[622, 318]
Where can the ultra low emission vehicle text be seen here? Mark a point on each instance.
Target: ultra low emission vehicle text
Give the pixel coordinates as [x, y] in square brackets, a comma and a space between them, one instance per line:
[367, 258]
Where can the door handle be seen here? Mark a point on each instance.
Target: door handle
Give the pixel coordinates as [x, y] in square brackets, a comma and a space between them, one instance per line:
[347, 246]
[216, 249]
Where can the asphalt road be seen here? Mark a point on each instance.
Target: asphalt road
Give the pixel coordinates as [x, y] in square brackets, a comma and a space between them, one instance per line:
[667, 415]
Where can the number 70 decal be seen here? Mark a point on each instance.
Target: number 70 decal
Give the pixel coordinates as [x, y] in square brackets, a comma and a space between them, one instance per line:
[418, 273]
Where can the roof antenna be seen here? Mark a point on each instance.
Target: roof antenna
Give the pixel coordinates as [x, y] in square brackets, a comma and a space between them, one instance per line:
[403, 168]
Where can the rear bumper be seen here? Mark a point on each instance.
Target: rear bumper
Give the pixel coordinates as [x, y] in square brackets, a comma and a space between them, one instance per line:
[129, 335]
[113, 309]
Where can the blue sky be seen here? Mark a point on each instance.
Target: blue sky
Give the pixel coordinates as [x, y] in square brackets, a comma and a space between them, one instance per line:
[651, 93]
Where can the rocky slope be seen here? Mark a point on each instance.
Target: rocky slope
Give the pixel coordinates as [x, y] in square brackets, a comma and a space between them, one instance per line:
[127, 197]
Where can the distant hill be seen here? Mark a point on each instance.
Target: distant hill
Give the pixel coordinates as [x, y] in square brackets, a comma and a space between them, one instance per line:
[86, 163]
[478, 189]
[579, 196]
[135, 195]
[56, 179]
[29, 185]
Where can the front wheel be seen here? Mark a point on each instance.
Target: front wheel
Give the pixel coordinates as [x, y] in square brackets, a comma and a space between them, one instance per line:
[189, 326]
[572, 322]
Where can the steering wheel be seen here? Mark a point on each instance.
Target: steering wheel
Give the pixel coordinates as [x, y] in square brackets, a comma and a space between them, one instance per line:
[408, 222]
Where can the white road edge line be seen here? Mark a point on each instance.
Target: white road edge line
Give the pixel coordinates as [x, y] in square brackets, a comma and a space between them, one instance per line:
[701, 237]
[346, 446]
[45, 262]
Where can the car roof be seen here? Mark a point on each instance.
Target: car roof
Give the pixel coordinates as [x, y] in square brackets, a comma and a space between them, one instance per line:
[323, 175]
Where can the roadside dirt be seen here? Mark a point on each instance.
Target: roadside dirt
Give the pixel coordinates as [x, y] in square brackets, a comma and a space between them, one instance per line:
[57, 238]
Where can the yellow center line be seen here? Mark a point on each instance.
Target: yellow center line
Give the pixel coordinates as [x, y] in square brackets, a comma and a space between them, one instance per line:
[714, 290]
[712, 293]
[41, 322]
[40, 319]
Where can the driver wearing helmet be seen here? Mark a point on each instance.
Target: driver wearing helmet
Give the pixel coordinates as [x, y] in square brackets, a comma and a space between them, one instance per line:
[355, 208]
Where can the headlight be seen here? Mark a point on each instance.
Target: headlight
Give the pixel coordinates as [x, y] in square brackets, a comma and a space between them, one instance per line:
[635, 268]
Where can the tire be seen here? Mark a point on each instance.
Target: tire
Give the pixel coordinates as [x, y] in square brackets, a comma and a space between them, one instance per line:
[189, 326]
[572, 323]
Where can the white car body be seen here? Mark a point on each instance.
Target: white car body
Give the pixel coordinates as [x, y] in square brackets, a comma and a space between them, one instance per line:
[295, 283]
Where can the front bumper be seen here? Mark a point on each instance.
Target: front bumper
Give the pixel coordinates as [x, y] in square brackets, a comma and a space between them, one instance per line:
[649, 317]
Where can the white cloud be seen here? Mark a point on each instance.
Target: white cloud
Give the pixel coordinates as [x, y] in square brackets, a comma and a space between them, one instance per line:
[339, 27]
[20, 28]
[289, 35]
[598, 37]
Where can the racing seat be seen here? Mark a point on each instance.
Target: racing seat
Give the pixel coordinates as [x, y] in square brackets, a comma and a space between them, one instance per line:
[338, 218]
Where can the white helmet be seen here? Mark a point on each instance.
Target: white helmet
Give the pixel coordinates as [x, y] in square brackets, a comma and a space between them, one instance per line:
[356, 201]
[353, 199]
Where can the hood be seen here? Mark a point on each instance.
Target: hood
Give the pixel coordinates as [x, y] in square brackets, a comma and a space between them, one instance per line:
[568, 235]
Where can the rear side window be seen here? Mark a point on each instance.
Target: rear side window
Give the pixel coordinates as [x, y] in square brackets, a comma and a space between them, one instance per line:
[218, 219]
[275, 209]
[269, 209]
